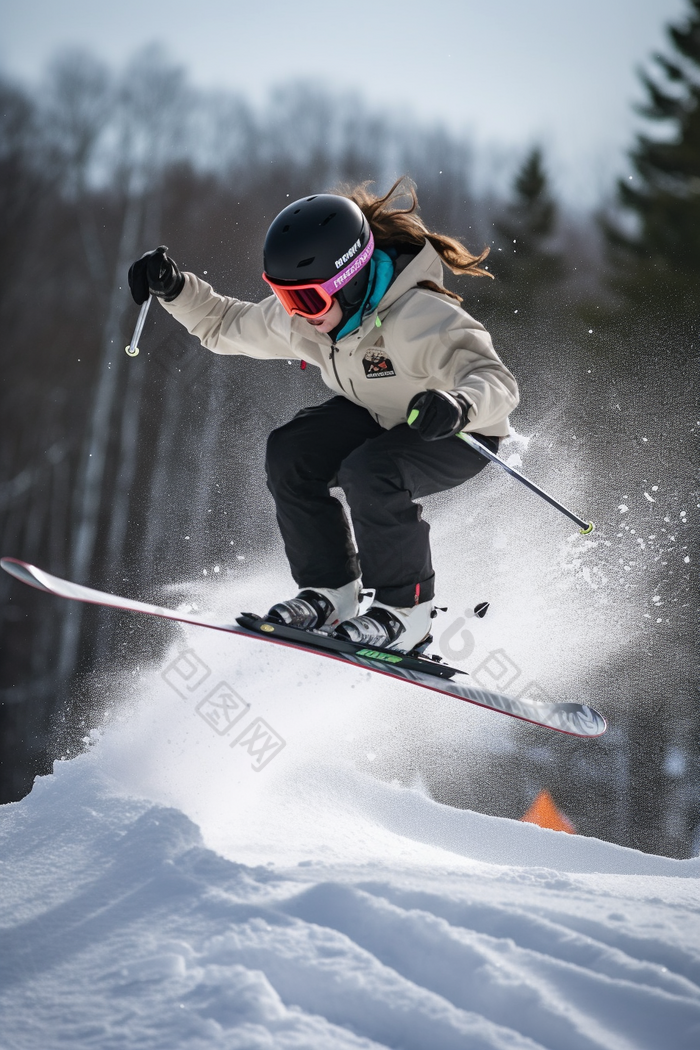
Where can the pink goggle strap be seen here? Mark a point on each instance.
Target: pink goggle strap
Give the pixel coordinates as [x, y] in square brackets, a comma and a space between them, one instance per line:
[340, 279]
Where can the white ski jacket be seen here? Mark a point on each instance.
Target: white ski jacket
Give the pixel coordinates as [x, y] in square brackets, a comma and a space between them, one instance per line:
[415, 340]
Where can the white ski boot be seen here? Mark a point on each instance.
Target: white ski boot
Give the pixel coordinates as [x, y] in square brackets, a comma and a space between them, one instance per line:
[386, 627]
[318, 608]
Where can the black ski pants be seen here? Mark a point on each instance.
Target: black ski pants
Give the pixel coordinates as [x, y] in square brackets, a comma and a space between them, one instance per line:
[381, 473]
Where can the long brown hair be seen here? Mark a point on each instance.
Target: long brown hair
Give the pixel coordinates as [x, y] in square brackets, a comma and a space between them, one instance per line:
[394, 225]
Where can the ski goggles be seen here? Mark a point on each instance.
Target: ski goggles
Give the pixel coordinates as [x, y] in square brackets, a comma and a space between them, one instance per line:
[315, 299]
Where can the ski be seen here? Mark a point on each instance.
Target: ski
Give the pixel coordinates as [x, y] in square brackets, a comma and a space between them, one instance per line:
[574, 719]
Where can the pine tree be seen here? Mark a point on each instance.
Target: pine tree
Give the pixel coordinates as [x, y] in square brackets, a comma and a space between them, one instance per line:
[660, 261]
[525, 261]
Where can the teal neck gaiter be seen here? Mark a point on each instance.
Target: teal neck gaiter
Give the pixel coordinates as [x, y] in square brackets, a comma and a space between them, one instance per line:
[381, 275]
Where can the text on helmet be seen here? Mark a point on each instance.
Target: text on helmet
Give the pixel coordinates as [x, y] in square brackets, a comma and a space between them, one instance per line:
[348, 255]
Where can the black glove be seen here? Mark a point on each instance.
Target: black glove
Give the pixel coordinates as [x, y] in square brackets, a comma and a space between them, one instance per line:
[155, 273]
[440, 414]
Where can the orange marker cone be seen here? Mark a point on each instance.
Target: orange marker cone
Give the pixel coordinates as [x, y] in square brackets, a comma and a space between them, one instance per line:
[545, 813]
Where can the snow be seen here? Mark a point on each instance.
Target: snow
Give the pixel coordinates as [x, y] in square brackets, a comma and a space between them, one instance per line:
[165, 889]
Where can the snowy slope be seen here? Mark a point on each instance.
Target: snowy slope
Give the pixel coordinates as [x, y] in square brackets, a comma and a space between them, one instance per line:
[165, 890]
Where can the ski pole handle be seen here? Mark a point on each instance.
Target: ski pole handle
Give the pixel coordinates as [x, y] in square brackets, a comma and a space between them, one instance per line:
[133, 348]
[586, 527]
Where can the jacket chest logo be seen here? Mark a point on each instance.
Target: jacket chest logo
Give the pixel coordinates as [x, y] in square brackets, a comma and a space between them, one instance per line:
[376, 364]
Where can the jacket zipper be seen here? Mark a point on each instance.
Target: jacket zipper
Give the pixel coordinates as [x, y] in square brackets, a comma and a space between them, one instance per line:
[334, 349]
[332, 354]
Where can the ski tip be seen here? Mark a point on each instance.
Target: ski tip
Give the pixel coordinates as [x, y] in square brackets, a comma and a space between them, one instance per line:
[22, 571]
[11, 565]
[480, 609]
[595, 724]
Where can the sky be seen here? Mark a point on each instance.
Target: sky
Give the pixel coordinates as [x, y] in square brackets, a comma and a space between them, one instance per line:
[508, 73]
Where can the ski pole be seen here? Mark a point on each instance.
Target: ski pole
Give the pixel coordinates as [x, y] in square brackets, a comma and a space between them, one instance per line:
[133, 348]
[586, 527]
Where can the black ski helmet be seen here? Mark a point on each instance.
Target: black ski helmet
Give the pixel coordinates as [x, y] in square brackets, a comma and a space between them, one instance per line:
[315, 238]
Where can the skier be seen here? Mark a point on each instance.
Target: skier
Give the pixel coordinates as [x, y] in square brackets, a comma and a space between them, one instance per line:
[357, 292]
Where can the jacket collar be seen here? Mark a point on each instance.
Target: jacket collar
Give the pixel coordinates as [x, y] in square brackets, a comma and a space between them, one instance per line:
[426, 266]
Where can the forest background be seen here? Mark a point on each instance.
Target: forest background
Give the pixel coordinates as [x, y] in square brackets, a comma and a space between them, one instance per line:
[139, 475]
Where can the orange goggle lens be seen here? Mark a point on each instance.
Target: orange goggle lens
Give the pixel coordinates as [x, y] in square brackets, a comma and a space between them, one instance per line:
[307, 300]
